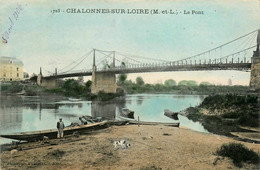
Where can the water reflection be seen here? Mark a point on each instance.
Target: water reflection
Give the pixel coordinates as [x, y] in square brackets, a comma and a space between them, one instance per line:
[38, 113]
[11, 116]
[139, 100]
[103, 109]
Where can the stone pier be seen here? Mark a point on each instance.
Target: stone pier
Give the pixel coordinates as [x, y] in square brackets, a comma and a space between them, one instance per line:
[103, 82]
[47, 83]
[255, 72]
[255, 67]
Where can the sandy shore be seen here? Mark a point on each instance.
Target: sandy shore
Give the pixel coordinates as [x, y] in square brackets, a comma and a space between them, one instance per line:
[151, 147]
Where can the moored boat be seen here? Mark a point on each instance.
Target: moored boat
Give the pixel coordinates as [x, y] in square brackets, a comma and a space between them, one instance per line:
[127, 113]
[74, 100]
[125, 118]
[153, 123]
[52, 133]
[170, 114]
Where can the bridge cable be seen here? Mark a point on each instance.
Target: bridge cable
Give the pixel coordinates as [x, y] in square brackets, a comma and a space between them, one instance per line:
[78, 63]
[75, 61]
[239, 52]
[136, 56]
[130, 58]
[109, 57]
[219, 46]
[244, 42]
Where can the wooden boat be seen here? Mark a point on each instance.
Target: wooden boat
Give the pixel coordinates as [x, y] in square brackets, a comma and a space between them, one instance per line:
[90, 119]
[154, 123]
[125, 118]
[127, 113]
[136, 122]
[52, 133]
[170, 114]
[21, 93]
[73, 100]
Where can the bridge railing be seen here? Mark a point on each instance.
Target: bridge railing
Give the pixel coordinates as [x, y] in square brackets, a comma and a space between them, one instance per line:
[163, 65]
[178, 63]
[73, 72]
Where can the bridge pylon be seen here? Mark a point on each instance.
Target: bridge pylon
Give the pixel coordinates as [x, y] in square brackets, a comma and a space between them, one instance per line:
[47, 83]
[255, 67]
[102, 81]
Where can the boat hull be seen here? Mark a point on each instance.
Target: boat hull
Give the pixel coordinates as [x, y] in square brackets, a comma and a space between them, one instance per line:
[52, 133]
[154, 123]
[127, 113]
[170, 114]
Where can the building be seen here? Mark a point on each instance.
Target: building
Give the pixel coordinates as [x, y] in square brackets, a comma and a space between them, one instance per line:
[11, 69]
[26, 75]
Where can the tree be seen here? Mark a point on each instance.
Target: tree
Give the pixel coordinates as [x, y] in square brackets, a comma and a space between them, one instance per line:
[70, 84]
[205, 83]
[139, 81]
[72, 88]
[187, 83]
[122, 78]
[88, 85]
[170, 83]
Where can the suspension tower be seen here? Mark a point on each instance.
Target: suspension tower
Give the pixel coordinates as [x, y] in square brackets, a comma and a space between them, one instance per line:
[102, 81]
[47, 83]
[255, 67]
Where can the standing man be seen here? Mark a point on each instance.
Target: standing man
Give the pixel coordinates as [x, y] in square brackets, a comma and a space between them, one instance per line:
[60, 127]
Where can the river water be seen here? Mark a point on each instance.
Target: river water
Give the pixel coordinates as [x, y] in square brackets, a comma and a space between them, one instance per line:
[24, 113]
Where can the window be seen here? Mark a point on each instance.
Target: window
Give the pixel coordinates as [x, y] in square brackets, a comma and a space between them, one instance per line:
[4, 74]
[17, 74]
[11, 62]
[17, 68]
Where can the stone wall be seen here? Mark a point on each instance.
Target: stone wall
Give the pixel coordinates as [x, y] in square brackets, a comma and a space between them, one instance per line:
[255, 72]
[103, 82]
[49, 84]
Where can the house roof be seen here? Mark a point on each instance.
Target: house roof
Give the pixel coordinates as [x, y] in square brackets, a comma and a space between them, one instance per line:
[10, 60]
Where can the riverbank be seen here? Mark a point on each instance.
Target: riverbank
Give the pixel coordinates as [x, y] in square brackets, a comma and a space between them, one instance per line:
[225, 114]
[151, 147]
[71, 88]
[74, 88]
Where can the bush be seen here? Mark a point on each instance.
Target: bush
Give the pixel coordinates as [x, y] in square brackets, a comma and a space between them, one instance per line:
[238, 153]
[12, 87]
[72, 88]
[232, 115]
[56, 90]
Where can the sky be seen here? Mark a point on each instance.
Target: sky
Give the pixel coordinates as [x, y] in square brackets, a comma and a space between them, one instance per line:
[42, 39]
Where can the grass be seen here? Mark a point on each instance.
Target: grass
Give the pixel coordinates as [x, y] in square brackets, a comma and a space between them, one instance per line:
[102, 96]
[239, 153]
[58, 154]
[227, 112]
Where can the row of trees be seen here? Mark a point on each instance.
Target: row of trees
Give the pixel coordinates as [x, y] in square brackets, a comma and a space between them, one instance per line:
[77, 88]
[73, 87]
[170, 85]
[167, 83]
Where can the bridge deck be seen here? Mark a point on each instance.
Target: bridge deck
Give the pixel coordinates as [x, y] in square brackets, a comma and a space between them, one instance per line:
[143, 69]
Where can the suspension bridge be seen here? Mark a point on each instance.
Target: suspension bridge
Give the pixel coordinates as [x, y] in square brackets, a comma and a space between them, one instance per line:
[237, 54]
